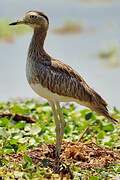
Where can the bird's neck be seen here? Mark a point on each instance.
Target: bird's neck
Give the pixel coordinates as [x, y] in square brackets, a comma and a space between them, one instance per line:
[37, 44]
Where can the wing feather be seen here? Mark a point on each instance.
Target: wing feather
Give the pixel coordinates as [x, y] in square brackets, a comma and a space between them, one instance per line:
[70, 83]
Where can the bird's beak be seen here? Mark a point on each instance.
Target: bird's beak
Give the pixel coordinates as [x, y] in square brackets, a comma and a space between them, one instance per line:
[17, 23]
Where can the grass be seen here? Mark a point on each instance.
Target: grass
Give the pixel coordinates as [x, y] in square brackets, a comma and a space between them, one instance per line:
[19, 137]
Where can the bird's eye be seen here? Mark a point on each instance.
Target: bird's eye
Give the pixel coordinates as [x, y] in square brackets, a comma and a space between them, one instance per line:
[32, 16]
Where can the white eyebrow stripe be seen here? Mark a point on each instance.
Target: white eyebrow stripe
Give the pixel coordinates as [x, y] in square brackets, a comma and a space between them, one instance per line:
[33, 13]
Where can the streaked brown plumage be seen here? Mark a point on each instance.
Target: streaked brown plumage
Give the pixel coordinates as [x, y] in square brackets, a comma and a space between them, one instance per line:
[56, 78]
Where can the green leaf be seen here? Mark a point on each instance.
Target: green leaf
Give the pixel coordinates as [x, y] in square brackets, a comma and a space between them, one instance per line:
[94, 178]
[108, 127]
[101, 135]
[20, 125]
[13, 141]
[27, 161]
[8, 150]
[17, 109]
[3, 122]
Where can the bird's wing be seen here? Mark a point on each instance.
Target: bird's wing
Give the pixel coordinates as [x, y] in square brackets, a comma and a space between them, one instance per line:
[67, 82]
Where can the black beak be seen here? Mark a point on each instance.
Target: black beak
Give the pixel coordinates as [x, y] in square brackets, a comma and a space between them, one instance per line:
[14, 23]
[17, 22]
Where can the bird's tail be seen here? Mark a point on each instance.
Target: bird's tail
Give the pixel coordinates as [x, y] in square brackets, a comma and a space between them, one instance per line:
[105, 113]
[113, 120]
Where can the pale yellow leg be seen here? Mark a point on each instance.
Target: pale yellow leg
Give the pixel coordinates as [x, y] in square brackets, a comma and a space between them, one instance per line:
[62, 121]
[57, 129]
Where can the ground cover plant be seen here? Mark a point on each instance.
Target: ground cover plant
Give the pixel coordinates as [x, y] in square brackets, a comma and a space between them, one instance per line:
[90, 149]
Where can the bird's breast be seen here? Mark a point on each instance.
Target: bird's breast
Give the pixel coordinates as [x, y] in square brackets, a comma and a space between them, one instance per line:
[32, 71]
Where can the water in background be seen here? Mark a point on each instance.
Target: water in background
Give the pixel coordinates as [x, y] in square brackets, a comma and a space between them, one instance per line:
[78, 50]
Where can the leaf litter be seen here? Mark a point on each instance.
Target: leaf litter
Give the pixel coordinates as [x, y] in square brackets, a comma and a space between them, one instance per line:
[84, 155]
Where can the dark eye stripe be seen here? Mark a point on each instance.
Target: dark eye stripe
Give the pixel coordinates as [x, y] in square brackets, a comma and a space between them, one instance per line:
[41, 14]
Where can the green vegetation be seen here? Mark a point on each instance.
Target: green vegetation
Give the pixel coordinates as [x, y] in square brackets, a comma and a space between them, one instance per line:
[111, 54]
[8, 33]
[69, 27]
[18, 137]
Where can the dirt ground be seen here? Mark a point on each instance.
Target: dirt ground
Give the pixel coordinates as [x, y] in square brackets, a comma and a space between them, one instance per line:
[84, 155]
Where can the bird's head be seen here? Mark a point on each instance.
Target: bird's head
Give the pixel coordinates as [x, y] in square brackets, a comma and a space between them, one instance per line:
[34, 19]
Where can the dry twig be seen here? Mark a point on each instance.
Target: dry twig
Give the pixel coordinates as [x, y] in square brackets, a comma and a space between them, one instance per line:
[17, 117]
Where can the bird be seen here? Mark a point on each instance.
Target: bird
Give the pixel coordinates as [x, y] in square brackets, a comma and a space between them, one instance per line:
[54, 80]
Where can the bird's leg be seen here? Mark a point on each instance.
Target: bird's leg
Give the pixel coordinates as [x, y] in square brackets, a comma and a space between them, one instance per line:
[57, 129]
[62, 121]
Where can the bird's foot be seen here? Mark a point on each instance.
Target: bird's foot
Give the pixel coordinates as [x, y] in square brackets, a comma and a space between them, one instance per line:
[57, 164]
[63, 169]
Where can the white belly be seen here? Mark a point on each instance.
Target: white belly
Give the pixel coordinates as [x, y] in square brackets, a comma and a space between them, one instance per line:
[47, 94]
